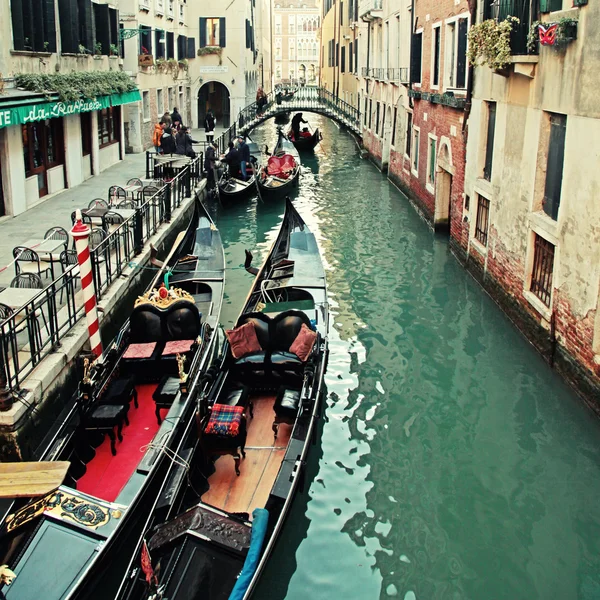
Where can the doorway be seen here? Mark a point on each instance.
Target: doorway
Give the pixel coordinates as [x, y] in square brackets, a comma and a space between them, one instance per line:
[387, 140]
[443, 198]
[86, 143]
[214, 96]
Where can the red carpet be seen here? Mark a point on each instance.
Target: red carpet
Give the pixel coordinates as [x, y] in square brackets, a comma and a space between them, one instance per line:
[106, 475]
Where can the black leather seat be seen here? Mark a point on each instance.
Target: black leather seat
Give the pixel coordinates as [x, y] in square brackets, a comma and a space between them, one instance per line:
[165, 394]
[286, 408]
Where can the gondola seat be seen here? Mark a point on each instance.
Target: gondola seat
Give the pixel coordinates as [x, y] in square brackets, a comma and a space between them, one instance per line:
[164, 395]
[286, 408]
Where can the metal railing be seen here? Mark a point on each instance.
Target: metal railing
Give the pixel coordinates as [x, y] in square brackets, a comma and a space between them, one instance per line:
[36, 329]
[399, 74]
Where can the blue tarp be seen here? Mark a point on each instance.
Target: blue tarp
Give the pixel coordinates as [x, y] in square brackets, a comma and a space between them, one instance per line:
[260, 520]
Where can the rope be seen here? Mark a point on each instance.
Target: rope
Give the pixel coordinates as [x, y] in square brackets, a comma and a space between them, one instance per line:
[135, 265]
[170, 454]
[16, 258]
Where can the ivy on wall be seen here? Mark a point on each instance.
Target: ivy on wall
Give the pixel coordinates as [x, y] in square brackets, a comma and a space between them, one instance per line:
[74, 86]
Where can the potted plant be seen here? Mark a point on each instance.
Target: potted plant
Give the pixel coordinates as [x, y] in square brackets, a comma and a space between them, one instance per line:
[183, 64]
[145, 59]
[555, 34]
[114, 50]
[210, 50]
[98, 49]
[489, 43]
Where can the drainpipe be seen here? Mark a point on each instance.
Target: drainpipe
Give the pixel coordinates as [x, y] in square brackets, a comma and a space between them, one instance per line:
[412, 31]
[467, 111]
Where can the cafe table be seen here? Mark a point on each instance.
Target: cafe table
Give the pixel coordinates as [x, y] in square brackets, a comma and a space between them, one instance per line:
[47, 250]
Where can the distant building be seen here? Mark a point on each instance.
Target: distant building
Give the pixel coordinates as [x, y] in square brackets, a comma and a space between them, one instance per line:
[295, 44]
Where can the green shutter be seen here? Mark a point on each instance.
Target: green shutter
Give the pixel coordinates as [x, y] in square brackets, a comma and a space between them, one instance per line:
[202, 32]
[544, 6]
[222, 38]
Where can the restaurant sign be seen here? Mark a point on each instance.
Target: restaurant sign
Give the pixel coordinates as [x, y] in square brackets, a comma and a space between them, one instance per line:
[19, 115]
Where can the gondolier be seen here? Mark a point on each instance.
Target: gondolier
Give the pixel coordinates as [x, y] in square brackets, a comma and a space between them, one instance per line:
[296, 124]
[244, 155]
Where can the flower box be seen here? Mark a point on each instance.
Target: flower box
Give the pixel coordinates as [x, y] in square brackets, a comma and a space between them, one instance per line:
[145, 60]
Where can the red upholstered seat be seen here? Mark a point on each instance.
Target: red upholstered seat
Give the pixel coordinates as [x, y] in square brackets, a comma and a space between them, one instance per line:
[140, 350]
[287, 162]
[274, 165]
[177, 347]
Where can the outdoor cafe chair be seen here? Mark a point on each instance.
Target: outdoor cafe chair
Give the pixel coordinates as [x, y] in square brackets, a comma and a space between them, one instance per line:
[57, 233]
[116, 192]
[28, 261]
[98, 203]
[135, 181]
[67, 259]
[84, 218]
[20, 323]
[33, 282]
[126, 204]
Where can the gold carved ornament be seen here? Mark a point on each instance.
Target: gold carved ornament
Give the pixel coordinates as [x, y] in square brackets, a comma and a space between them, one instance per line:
[163, 297]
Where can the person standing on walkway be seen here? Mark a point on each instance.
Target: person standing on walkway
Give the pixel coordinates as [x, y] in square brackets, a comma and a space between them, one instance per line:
[261, 100]
[184, 142]
[156, 137]
[244, 151]
[210, 156]
[209, 126]
[167, 141]
[166, 119]
[233, 160]
[296, 124]
[175, 116]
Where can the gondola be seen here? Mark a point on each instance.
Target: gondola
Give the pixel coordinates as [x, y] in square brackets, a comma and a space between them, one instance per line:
[128, 420]
[280, 171]
[233, 188]
[255, 425]
[305, 144]
[282, 118]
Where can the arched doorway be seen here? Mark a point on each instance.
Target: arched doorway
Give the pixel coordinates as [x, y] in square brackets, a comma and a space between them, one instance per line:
[443, 187]
[302, 74]
[387, 140]
[214, 95]
[311, 74]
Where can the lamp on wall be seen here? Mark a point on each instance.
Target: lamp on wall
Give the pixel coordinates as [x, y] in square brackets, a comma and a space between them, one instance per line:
[233, 82]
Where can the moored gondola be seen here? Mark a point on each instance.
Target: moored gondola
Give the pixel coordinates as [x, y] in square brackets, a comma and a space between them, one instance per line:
[305, 143]
[128, 419]
[234, 188]
[255, 424]
[279, 172]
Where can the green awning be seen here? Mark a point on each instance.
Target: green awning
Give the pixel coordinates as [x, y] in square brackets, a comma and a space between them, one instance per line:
[18, 115]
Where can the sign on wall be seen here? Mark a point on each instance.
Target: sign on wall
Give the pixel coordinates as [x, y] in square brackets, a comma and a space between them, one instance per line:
[214, 69]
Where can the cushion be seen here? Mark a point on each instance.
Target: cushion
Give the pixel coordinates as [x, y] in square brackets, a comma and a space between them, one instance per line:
[224, 420]
[243, 340]
[107, 415]
[140, 350]
[167, 390]
[286, 330]
[237, 397]
[261, 328]
[304, 342]
[177, 347]
[286, 404]
[119, 391]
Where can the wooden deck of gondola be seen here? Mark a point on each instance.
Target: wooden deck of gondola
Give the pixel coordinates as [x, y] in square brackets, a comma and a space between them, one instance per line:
[259, 469]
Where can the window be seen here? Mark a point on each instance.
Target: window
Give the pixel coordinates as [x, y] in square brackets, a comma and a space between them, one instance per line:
[145, 36]
[350, 56]
[550, 5]
[543, 265]
[431, 161]
[394, 126]
[383, 121]
[377, 119]
[370, 112]
[42, 145]
[481, 226]
[489, 146]
[170, 44]
[160, 107]
[456, 53]
[416, 139]
[181, 97]
[109, 126]
[291, 24]
[435, 77]
[159, 43]
[212, 31]
[366, 110]
[86, 133]
[415, 67]
[106, 22]
[278, 48]
[342, 12]
[554, 168]
[355, 56]
[146, 106]
[343, 59]
[408, 132]
[33, 24]
[277, 24]
[171, 99]
[337, 55]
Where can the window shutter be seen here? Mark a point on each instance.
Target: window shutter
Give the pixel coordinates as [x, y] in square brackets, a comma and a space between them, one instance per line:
[102, 27]
[69, 25]
[222, 38]
[343, 59]
[191, 47]
[17, 25]
[202, 32]
[113, 23]
[248, 34]
[554, 168]
[350, 57]
[86, 25]
[170, 44]
[544, 6]
[355, 56]
[461, 56]
[49, 28]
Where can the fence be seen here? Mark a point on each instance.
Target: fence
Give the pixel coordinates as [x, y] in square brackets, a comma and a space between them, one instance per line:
[36, 329]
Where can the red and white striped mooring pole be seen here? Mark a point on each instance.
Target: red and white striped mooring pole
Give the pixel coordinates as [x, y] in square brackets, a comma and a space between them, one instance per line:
[81, 235]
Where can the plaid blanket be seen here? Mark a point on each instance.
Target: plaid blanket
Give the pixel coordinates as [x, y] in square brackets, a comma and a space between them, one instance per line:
[225, 420]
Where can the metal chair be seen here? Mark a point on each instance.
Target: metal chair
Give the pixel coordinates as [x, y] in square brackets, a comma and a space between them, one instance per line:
[33, 282]
[67, 259]
[98, 202]
[126, 204]
[135, 181]
[28, 261]
[97, 236]
[114, 193]
[84, 218]
[57, 233]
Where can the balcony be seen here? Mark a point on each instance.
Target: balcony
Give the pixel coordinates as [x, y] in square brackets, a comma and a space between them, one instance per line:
[396, 75]
[171, 9]
[159, 7]
[144, 4]
[181, 14]
[369, 10]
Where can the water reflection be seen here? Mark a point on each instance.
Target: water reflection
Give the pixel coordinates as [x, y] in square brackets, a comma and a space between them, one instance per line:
[454, 463]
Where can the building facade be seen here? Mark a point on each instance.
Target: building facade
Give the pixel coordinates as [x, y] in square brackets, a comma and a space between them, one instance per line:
[531, 186]
[295, 44]
[47, 143]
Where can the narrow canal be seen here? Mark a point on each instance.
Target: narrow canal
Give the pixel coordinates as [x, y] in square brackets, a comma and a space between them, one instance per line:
[452, 462]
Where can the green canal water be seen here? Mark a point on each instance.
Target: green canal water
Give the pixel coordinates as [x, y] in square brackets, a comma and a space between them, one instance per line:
[451, 463]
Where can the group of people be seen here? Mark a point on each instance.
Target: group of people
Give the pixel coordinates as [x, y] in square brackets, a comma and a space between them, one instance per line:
[237, 158]
[261, 100]
[172, 137]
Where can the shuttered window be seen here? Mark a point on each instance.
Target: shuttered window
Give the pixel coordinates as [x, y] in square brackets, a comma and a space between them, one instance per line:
[461, 53]
[181, 47]
[554, 168]
[394, 126]
[212, 31]
[337, 55]
[350, 57]
[191, 47]
[417, 48]
[377, 119]
[436, 56]
[170, 44]
[408, 132]
[159, 49]
[356, 56]
[370, 112]
[248, 35]
[550, 5]
[343, 59]
[489, 146]
[145, 36]
[34, 25]
[482, 224]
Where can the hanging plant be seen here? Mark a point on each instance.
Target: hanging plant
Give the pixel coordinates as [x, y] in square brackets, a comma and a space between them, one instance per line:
[210, 50]
[183, 64]
[557, 34]
[489, 43]
[75, 86]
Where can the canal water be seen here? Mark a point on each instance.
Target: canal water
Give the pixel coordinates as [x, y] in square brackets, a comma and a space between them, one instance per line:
[451, 463]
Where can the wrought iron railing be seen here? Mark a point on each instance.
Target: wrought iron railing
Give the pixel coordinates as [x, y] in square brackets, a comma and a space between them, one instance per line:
[399, 74]
[36, 329]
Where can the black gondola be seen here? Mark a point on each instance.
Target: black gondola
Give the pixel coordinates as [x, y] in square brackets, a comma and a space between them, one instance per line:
[305, 144]
[232, 189]
[71, 542]
[218, 546]
[279, 172]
